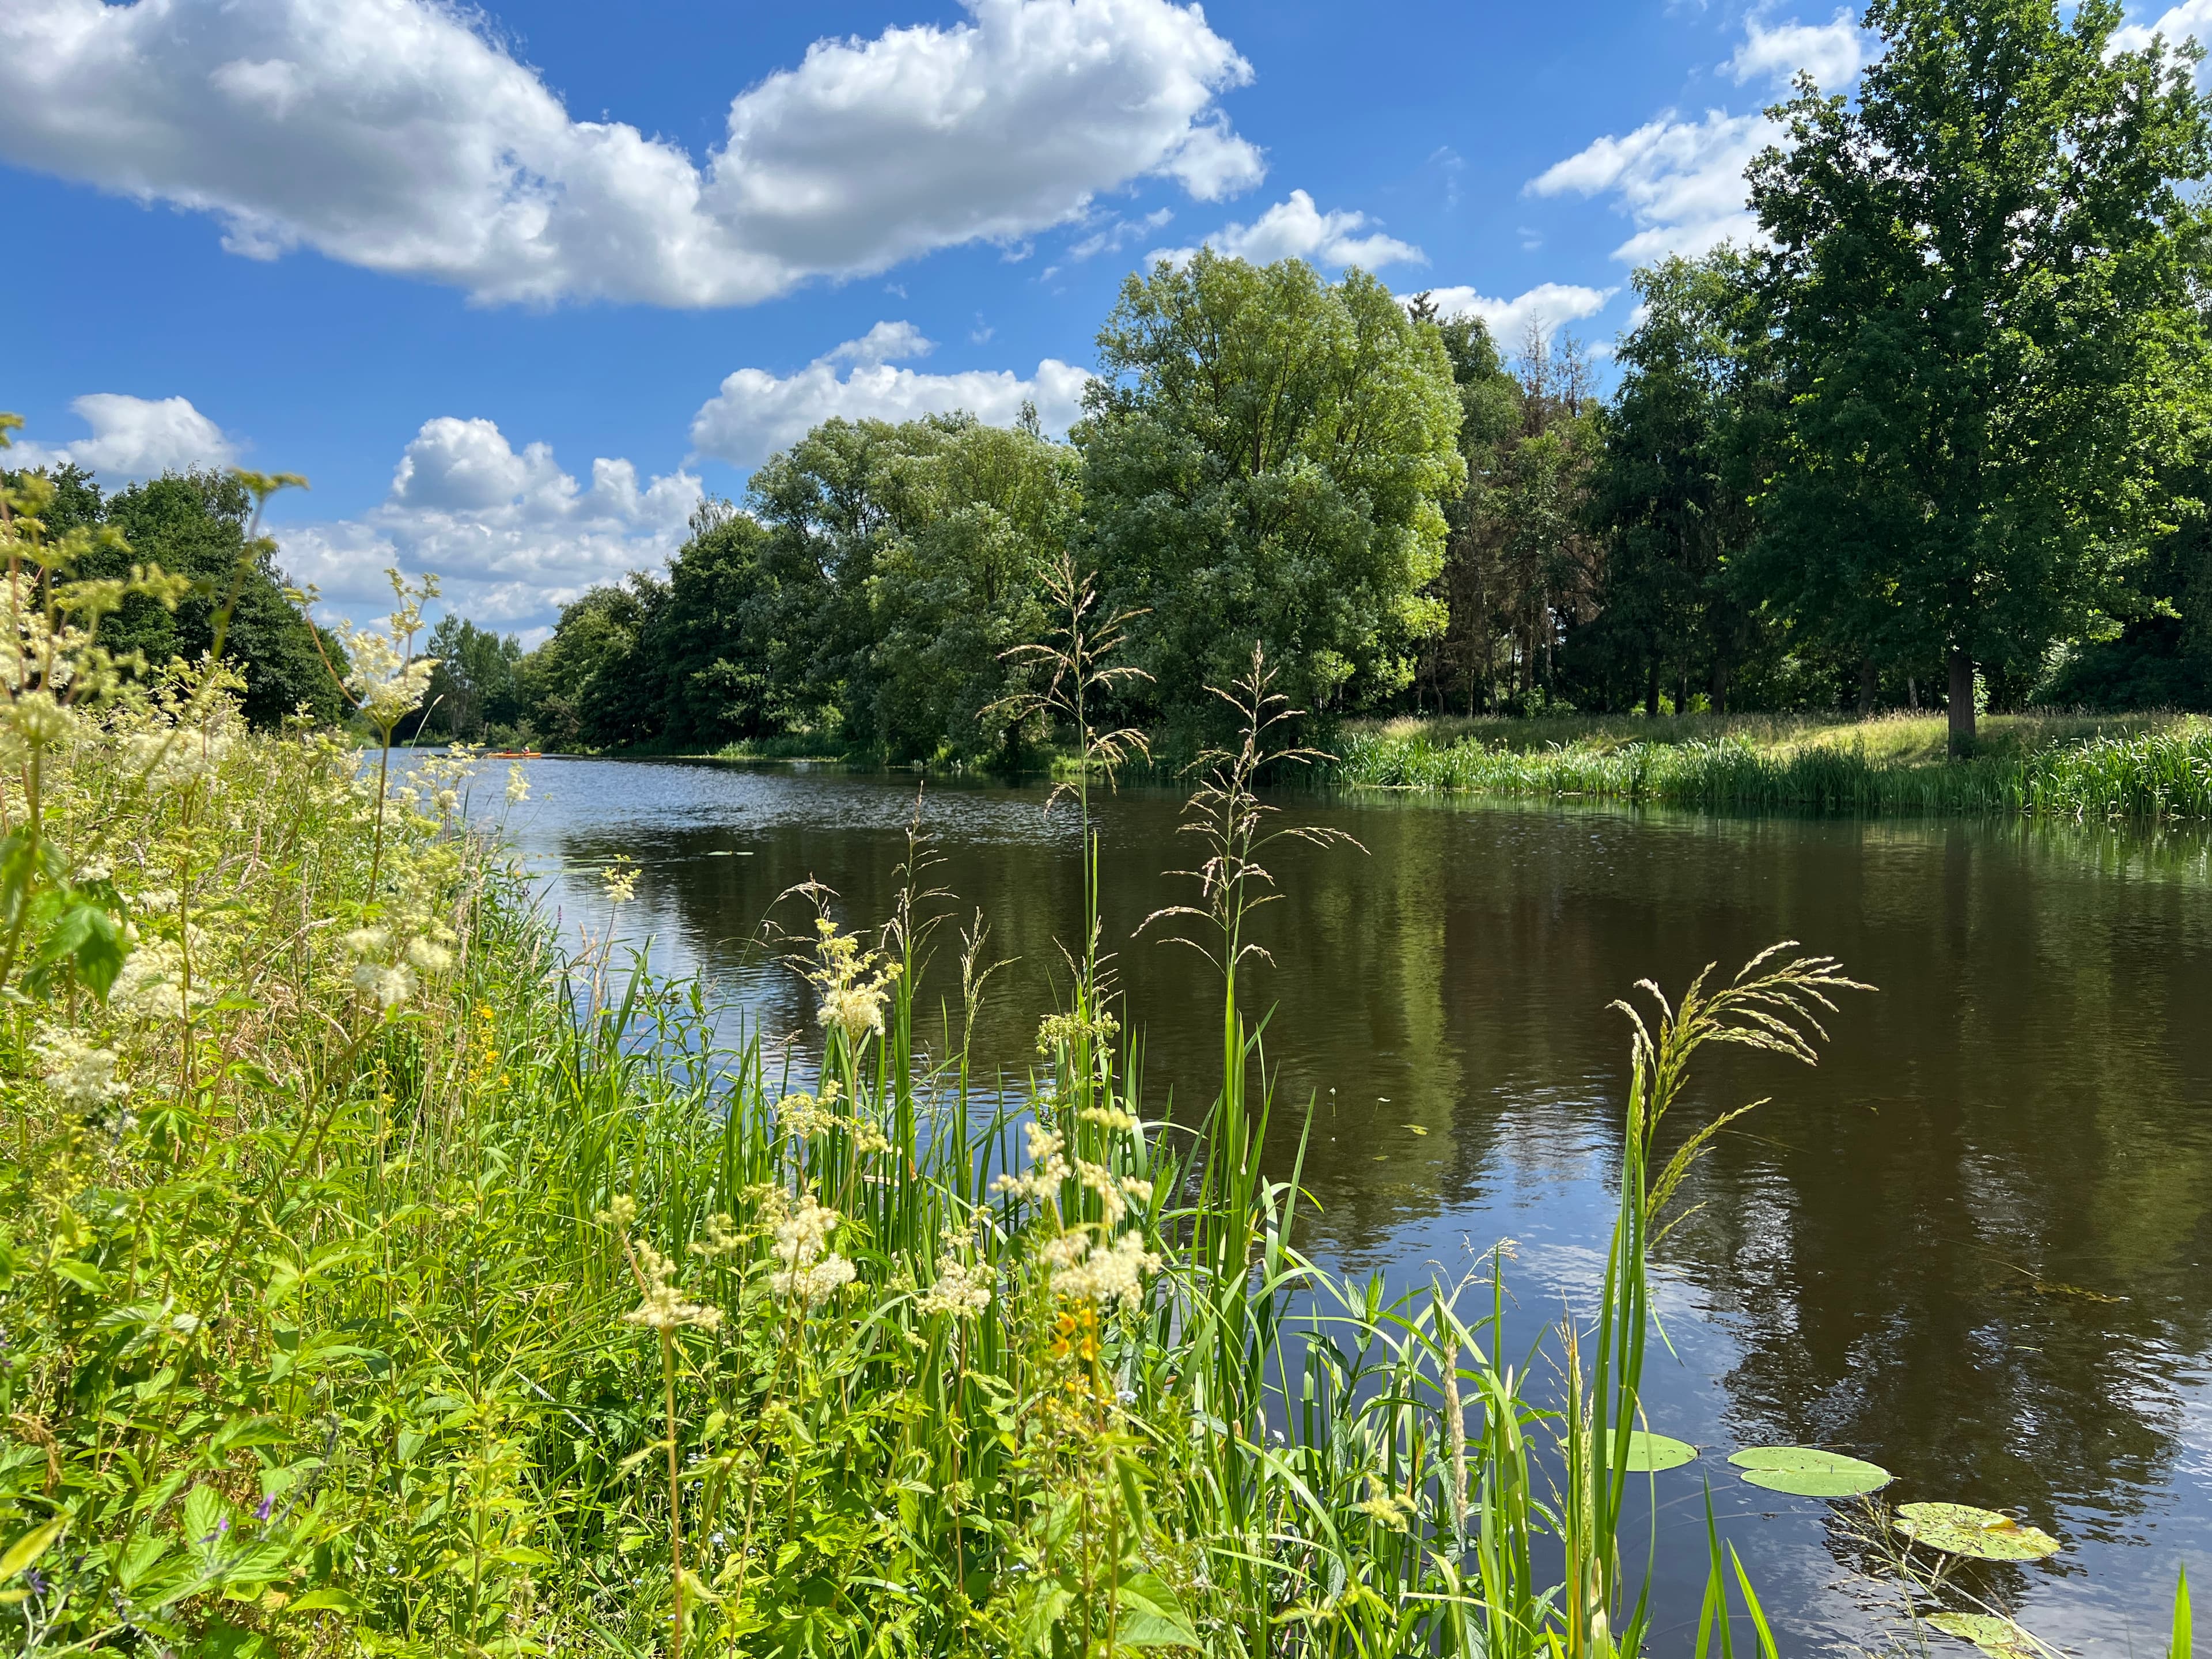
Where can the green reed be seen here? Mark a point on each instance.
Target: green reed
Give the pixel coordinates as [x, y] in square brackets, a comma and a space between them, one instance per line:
[2162, 773]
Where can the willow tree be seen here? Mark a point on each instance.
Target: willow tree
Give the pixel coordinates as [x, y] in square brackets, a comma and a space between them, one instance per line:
[1981, 292]
[1264, 453]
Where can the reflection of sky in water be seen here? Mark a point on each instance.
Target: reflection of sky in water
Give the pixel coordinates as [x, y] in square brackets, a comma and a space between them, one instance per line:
[2026, 1103]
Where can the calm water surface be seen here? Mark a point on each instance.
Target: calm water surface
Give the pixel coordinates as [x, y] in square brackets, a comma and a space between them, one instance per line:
[1973, 1245]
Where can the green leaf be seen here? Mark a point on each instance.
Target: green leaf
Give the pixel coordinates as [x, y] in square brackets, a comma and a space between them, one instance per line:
[2000, 1638]
[1650, 1453]
[1808, 1472]
[26, 1550]
[1962, 1529]
[324, 1601]
[2184, 1638]
[1152, 1616]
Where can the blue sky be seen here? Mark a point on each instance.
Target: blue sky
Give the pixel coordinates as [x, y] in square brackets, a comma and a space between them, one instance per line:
[514, 287]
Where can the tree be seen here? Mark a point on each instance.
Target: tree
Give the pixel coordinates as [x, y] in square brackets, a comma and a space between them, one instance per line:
[193, 523]
[580, 686]
[1667, 493]
[474, 688]
[1263, 457]
[1982, 306]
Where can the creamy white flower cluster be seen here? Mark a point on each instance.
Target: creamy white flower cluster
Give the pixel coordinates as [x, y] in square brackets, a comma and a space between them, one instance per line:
[854, 984]
[1049, 1167]
[387, 680]
[810, 1271]
[664, 1308]
[1107, 1273]
[78, 1072]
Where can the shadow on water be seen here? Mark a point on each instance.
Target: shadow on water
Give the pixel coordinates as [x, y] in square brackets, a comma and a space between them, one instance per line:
[1972, 1245]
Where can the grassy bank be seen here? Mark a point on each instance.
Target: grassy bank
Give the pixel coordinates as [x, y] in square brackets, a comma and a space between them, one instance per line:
[380, 1277]
[2052, 766]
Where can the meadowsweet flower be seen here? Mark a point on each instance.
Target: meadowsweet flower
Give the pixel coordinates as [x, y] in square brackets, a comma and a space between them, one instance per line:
[429, 956]
[176, 757]
[803, 1115]
[387, 983]
[664, 1308]
[960, 1289]
[621, 1212]
[854, 984]
[517, 784]
[78, 1074]
[151, 985]
[620, 881]
[1111, 1118]
[1047, 1168]
[1057, 1031]
[809, 1272]
[1114, 1273]
[722, 1237]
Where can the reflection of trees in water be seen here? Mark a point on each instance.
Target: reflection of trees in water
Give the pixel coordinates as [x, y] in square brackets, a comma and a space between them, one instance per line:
[2023, 1101]
[1919, 1255]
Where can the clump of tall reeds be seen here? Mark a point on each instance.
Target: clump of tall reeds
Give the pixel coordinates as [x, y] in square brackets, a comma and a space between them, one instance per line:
[2152, 774]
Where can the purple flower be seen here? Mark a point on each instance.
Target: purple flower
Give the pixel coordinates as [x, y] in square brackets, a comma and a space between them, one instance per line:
[261, 1510]
[36, 1580]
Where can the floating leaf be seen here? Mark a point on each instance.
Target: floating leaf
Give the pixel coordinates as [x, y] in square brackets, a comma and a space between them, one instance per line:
[1648, 1454]
[1808, 1472]
[2000, 1638]
[1962, 1529]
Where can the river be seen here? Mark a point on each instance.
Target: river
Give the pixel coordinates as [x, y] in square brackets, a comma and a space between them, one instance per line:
[1972, 1245]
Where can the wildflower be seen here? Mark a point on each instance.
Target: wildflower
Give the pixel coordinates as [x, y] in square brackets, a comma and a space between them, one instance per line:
[1110, 1118]
[1047, 1168]
[803, 1117]
[620, 881]
[517, 784]
[429, 956]
[854, 984]
[960, 1289]
[621, 1210]
[77, 1073]
[809, 1272]
[151, 985]
[1110, 1275]
[387, 983]
[1057, 1031]
[722, 1237]
[664, 1308]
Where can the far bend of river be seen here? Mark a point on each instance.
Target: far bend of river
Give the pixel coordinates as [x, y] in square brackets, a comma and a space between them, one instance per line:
[1974, 1245]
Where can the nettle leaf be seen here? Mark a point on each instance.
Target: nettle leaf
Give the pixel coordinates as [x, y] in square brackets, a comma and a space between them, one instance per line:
[87, 938]
[1984, 1535]
[1648, 1454]
[1808, 1472]
[1152, 1616]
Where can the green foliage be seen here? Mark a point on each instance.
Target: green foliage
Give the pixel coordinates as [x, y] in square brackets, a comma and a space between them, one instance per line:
[1263, 457]
[1985, 329]
[476, 688]
[194, 525]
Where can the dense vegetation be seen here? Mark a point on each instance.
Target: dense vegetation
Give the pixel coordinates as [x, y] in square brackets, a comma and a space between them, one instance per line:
[1939, 441]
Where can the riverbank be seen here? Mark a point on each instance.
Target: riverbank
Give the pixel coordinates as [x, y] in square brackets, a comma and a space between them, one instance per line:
[2067, 767]
[384, 1274]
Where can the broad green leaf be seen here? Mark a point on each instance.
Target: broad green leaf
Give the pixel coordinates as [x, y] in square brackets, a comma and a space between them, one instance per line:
[1962, 1529]
[1151, 1617]
[1650, 1453]
[1808, 1472]
[2000, 1638]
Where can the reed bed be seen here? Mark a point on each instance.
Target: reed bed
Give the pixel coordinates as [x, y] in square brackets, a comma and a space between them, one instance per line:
[2154, 774]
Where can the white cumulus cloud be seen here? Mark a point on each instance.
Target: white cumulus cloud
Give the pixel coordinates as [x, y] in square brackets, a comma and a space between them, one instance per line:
[511, 535]
[2189, 21]
[134, 438]
[1681, 182]
[1545, 307]
[757, 413]
[397, 134]
[1831, 52]
[1296, 228]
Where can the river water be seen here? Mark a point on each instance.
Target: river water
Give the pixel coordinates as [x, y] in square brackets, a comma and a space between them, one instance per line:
[1974, 1245]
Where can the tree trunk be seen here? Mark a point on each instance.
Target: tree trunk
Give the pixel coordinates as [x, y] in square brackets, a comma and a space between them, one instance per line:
[1651, 688]
[1720, 683]
[1962, 702]
[1866, 688]
[1681, 694]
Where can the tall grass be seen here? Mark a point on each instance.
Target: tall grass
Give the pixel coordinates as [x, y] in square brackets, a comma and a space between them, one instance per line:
[2154, 774]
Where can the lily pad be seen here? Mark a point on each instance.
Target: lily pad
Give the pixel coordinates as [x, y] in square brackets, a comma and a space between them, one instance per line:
[1962, 1529]
[1648, 1454]
[2000, 1638]
[1808, 1472]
